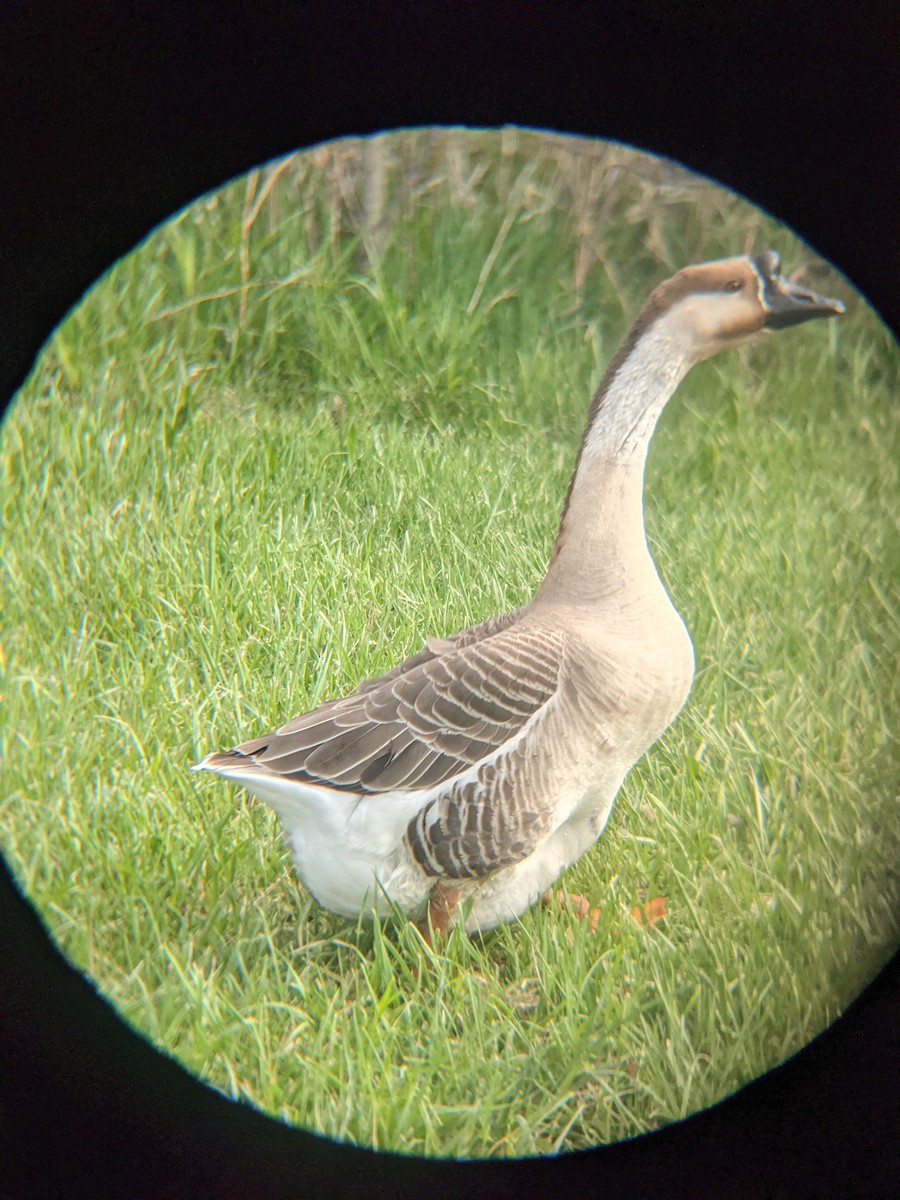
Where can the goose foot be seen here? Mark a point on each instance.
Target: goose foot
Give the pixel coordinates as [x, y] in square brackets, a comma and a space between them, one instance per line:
[441, 907]
[579, 904]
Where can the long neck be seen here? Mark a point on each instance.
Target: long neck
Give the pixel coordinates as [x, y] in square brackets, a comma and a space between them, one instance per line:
[601, 548]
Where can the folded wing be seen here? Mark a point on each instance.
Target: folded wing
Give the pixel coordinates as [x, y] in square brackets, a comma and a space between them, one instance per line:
[421, 724]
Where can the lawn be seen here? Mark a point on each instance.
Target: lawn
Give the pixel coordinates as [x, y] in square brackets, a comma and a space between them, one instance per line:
[315, 419]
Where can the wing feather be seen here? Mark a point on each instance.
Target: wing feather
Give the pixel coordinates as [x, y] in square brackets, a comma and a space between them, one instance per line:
[426, 721]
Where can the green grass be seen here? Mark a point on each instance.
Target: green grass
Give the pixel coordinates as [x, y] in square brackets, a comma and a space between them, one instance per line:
[215, 519]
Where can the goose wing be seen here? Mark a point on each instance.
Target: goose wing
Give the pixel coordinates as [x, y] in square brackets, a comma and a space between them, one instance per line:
[435, 646]
[421, 724]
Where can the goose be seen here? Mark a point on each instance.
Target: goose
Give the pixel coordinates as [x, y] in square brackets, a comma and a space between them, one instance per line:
[462, 783]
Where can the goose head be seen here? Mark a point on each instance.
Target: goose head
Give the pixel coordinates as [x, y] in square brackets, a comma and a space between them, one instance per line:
[715, 305]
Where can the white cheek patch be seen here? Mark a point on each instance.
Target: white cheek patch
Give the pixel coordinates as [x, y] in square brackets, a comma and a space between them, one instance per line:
[703, 321]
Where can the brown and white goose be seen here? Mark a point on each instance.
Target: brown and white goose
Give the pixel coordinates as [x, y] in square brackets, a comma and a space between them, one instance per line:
[473, 773]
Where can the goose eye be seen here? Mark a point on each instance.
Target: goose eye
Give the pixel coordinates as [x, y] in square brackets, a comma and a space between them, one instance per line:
[734, 285]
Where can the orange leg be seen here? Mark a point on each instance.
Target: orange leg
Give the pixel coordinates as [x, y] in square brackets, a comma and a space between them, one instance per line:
[579, 904]
[441, 907]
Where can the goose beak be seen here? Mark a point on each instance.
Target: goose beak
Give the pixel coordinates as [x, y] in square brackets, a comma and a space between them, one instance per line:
[787, 303]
